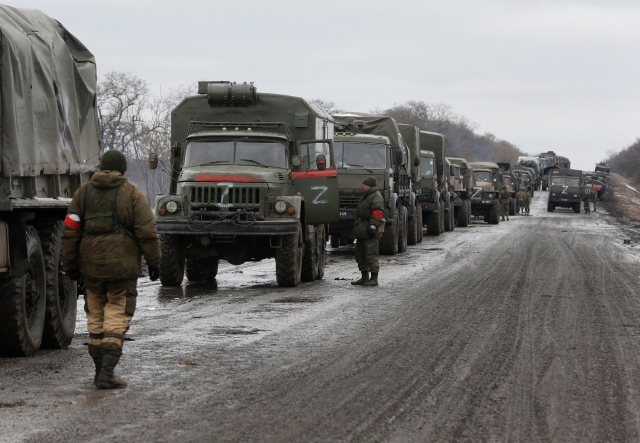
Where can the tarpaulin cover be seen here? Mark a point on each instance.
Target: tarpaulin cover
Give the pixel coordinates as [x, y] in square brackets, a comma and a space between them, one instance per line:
[374, 125]
[411, 135]
[48, 116]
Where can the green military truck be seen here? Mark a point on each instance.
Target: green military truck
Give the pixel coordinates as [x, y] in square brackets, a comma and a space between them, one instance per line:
[484, 199]
[602, 172]
[436, 200]
[253, 177]
[512, 182]
[368, 145]
[49, 143]
[411, 136]
[463, 183]
[534, 164]
[548, 160]
[527, 178]
[565, 189]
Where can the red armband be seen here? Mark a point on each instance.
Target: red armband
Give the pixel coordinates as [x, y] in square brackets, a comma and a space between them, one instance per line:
[73, 221]
[377, 213]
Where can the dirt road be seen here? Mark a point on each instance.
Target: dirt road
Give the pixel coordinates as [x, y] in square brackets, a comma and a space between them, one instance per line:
[524, 331]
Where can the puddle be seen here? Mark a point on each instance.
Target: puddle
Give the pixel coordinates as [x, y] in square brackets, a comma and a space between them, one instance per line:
[240, 330]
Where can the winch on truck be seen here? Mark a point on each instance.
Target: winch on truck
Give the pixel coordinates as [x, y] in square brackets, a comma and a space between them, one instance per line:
[253, 177]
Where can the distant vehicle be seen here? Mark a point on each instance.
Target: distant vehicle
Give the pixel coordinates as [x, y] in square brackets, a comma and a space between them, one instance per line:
[602, 174]
[484, 199]
[49, 142]
[512, 181]
[463, 183]
[565, 189]
[436, 199]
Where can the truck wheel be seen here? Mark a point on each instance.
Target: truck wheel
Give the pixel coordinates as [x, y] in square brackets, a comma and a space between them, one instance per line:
[448, 218]
[62, 292]
[335, 241]
[289, 259]
[402, 229]
[433, 223]
[23, 307]
[172, 261]
[494, 214]
[441, 215]
[420, 226]
[463, 215]
[412, 228]
[310, 259]
[512, 207]
[322, 251]
[550, 207]
[388, 244]
[469, 210]
[576, 208]
[201, 268]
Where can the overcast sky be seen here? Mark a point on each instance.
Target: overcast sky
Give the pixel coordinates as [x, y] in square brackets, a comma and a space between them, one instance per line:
[545, 75]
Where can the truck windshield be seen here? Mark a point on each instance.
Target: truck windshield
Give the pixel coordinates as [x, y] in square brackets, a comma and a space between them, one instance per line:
[426, 166]
[507, 180]
[565, 181]
[240, 152]
[482, 176]
[360, 155]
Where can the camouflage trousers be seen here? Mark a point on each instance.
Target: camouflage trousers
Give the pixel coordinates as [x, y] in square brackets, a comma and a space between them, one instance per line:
[109, 306]
[367, 255]
[520, 205]
[594, 203]
[504, 209]
[587, 209]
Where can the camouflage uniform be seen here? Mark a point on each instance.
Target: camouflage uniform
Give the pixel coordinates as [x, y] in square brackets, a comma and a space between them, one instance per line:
[594, 197]
[527, 201]
[504, 202]
[520, 203]
[585, 200]
[113, 227]
[369, 213]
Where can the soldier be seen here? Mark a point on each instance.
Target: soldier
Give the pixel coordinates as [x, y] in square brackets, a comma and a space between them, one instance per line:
[109, 225]
[585, 200]
[520, 196]
[504, 202]
[527, 200]
[594, 197]
[367, 230]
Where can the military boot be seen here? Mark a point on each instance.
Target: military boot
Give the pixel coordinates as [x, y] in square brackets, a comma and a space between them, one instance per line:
[363, 279]
[98, 362]
[106, 378]
[502, 218]
[373, 281]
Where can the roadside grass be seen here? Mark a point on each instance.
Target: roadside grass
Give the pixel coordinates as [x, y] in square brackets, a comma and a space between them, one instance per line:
[622, 198]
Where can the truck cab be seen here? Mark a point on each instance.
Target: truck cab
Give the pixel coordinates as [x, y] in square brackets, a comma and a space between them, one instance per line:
[565, 189]
[484, 199]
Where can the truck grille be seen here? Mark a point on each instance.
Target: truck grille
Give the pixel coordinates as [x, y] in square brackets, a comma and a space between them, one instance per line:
[223, 197]
[347, 201]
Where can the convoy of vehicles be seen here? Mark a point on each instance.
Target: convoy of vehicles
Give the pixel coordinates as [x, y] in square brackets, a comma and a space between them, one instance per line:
[49, 142]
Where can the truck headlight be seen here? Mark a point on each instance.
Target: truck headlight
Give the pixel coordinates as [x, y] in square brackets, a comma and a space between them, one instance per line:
[280, 206]
[171, 207]
[553, 194]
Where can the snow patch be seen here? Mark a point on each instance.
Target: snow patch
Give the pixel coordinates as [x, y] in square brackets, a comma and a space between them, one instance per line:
[633, 189]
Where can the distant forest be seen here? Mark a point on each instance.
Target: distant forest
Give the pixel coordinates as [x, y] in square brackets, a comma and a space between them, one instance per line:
[627, 162]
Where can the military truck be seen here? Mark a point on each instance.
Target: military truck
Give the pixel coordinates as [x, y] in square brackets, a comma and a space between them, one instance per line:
[253, 176]
[512, 182]
[527, 177]
[602, 172]
[464, 181]
[370, 145]
[548, 160]
[533, 163]
[565, 188]
[484, 199]
[436, 200]
[49, 143]
[411, 136]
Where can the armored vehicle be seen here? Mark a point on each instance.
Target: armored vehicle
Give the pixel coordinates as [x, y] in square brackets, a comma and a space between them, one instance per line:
[565, 188]
[253, 177]
[512, 182]
[484, 199]
[49, 143]
[368, 145]
[436, 200]
[464, 181]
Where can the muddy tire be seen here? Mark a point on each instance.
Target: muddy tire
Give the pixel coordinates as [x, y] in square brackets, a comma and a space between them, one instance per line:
[463, 214]
[388, 244]
[172, 261]
[322, 252]
[23, 304]
[448, 218]
[310, 259]
[576, 208]
[289, 259]
[469, 211]
[433, 223]
[335, 241]
[550, 207]
[412, 228]
[512, 207]
[62, 292]
[201, 268]
[494, 214]
[420, 225]
[402, 229]
[441, 216]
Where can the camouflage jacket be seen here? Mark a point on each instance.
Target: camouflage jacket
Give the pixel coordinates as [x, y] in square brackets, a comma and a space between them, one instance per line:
[504, 197]
[369, 212]
[113, 255]
[520, 195]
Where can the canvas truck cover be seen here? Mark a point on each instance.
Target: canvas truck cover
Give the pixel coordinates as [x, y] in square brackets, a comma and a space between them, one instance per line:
[374, 125]
[48, 115]
[411, 135]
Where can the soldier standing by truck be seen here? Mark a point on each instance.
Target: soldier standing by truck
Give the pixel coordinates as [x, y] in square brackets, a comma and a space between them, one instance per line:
[108, 226]
[503, 196]
[521, 201]
[527, 200]
[367, 230]
[585, 200]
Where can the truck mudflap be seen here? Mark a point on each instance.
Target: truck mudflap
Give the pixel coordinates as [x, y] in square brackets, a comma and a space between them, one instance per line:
[270, 227]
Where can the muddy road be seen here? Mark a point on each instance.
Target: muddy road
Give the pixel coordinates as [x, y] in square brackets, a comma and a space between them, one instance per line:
[524, 331]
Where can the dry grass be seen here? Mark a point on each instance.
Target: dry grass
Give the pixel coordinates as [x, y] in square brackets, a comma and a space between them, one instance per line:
[621, 199]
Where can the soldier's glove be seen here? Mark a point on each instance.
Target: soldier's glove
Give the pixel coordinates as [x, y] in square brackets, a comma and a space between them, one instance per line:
[154, 273]
[372, 230]
[73, 274]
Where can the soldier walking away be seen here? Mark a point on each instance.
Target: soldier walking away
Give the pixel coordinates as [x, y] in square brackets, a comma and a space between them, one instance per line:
[367, 230]
[520, 196]
[527, 200]
[594, 197]
[585, 200]
[504, 202]
[109, 225]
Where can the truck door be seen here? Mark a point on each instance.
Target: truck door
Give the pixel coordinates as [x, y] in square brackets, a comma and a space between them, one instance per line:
[317, 181]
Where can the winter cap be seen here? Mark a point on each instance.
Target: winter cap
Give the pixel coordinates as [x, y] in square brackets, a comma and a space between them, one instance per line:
[370, 181]
[113, 160]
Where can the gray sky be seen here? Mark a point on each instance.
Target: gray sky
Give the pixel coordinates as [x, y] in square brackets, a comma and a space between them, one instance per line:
[545, 75]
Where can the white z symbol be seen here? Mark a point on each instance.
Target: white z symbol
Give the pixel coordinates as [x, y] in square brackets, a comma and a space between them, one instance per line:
[222, 205]
[564, 191]
[322, 190]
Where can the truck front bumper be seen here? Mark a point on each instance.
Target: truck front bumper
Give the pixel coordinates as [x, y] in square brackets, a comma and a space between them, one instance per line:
[564, 199]
[267, 227]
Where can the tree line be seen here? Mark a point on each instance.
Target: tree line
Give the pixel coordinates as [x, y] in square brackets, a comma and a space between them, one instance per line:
[626, 161]
[136, 122]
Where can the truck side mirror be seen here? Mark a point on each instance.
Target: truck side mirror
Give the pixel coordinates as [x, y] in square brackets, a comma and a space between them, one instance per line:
[321, 162]
[399, 157]
[153, 161]
[440, 168]
[416, 162]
